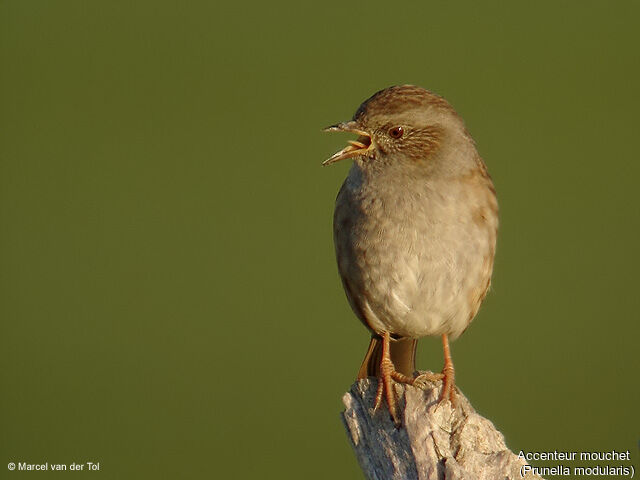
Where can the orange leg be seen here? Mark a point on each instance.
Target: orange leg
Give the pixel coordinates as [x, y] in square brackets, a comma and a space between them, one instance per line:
[387, 373]
[449, 374]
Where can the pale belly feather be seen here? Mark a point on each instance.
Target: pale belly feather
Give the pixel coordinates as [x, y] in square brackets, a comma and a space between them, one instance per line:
[414, 266]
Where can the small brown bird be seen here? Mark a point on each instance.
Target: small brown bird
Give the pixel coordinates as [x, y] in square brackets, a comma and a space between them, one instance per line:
[415, 228]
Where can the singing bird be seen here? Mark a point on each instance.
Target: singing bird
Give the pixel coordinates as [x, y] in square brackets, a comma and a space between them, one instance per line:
[415, 228]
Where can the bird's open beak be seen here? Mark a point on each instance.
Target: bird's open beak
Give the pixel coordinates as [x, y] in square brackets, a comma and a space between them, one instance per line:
[356, 147]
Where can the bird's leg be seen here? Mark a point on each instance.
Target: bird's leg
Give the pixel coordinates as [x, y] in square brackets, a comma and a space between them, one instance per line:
[448, 374]
[387, 373]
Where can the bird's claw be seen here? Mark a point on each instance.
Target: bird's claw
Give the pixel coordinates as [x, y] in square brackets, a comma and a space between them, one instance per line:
[422, 380]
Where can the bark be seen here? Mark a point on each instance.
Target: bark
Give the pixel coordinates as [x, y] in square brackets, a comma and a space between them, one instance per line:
[433, 442]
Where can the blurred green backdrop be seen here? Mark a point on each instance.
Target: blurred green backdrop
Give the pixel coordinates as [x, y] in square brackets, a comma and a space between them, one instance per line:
[169, 301]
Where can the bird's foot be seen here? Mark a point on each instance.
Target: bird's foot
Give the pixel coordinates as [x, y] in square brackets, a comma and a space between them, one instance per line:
[448, 377]
[388, 373]
[422, 379]
[448, 385]
[449, 388]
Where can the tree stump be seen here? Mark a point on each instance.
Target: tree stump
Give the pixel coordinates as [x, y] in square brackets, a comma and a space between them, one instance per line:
[433, 442]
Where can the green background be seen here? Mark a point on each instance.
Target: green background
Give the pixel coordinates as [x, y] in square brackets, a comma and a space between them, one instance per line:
[169, 301]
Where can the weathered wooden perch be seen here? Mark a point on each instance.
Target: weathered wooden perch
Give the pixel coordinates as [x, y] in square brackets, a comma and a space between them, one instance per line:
[431, 444]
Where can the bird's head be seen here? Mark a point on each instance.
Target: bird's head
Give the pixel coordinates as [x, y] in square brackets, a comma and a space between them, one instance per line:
[405, 121]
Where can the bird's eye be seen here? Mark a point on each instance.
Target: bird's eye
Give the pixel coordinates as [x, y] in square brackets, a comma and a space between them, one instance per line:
[396, 132]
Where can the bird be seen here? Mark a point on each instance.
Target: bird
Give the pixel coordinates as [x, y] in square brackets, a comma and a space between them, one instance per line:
[415, 227]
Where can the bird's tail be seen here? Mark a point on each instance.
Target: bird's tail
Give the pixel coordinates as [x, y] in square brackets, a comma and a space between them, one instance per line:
[403, 356]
